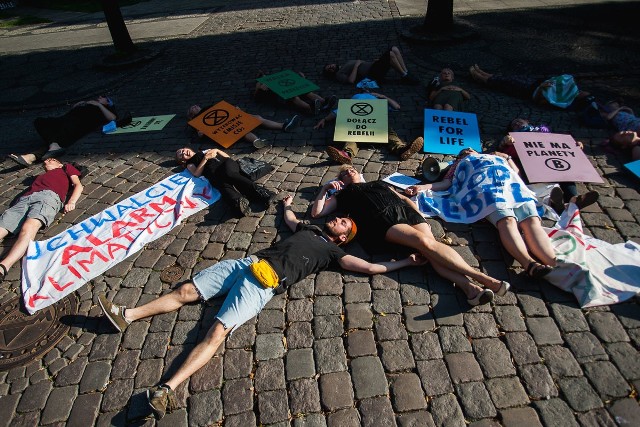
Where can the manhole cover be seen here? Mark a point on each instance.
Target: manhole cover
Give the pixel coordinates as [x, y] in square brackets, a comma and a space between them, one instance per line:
[24, 338]
[171, 274]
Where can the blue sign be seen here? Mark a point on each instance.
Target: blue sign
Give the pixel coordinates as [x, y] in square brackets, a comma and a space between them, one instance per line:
[449, 132]
[634, 167]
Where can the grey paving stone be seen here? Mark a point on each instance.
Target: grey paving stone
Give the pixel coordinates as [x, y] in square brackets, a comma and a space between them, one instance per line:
[237, 363]
[487, 422]
[538, 382]
[59, 404]
[8, 406]
[596, 418]
[344, 418]
[361, 343]
[208, 377]
[310, 420]
[476, 403]
[117, 395]
[304, 396]
[555, 412]
[237, 396]
[415, 419]
[359, 316]
[426, 346]
[19, 385]
[327, 326]
[544, 330]
[447, 311]
[585, 347]
[606, 379]
[415, 294]
[627, 314]
[396, 356]
[626, 412]
[515, 417]
[607, 327]
[368, 377]
[240, 420]
[329, 355]
[454, 340]
[299, 335]
[390, 327]
[273, 406]
[532, 304]
[494, 358]
[105, 347]
[357, 292]
[385, 281]
[300, 364]
[125, 364]
[95, 377]
[269, 346]
[269, 375]
[327, 305]
[522, 347]
[579, 394]
[377, 412]
[336, 391]
[328, 283]
[163, 322]
[270, 321]
[418, 318]
[149, 372]
[72, 374]
[626, 359]
[178, 418]
[463, 367]
[25, 420]
[302, 289]
[155, 345]
[300, 310]
[435, 377]
[205, 408]
[560, 362]
[407, 393]
[135, 335]
[507, 392]
[569, 317]
[386, 301]
[480, 325]
[510, 318]
[244, 336]
[446, 411]
[85, 410]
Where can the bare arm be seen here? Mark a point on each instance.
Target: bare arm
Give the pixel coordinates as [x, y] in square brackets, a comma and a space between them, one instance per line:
[329, 118]
[75, 194]
[289, 217]
[352, 263]
[436, 186]
[105, 111]
[323, 206]
[354, 73]
[393, 103]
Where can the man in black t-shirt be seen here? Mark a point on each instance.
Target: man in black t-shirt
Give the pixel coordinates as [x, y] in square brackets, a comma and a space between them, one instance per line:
[308, 251]
[383, 215]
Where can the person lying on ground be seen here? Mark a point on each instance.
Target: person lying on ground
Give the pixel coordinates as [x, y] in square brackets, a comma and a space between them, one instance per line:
[59, 133]
[249, 283]
[627, 128]
[518, 223]
[223, 173]
[287, 126]
[559, 91]
[309, 103]
[355, 70]
[444, 95]
[350, 149]
[383, 216]
[38, 207]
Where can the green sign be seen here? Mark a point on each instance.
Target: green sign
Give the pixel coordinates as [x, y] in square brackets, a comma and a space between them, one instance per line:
[287, 84]
[145, 124]
[362, 120]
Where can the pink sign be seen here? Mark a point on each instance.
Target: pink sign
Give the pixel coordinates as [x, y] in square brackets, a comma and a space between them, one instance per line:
[553, 157]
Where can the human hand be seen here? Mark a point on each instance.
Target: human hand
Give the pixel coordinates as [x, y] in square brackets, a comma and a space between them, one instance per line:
[320, 124]
[417, 259]
[580, 145]
[547, 84]
[211, 154]
[415, 189]
[333, 185]
[287, 200]
[508, 140]
[69, 207]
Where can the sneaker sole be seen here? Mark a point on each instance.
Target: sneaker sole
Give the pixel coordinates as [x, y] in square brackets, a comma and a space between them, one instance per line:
[157, 414]
[336, 157]
[415, 146]
[104, 310]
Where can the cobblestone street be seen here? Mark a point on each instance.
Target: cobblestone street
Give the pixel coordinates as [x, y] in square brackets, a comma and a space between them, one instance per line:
[337, 349]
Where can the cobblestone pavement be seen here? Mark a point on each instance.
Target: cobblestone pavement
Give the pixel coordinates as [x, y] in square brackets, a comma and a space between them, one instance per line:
[337, 349]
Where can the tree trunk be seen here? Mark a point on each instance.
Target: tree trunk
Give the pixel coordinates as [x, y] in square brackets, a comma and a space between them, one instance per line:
[439, 18]
[119, 33]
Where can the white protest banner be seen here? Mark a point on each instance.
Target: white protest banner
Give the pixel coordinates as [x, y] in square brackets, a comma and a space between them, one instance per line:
[553, 157]
[58, 266]
[449, 132]
[362, 120]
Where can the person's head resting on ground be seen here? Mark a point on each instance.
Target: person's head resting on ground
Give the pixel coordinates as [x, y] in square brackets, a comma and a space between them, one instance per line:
[523, 125]
[184, 154]
[625, 140]
[349, 175]
[446, 75]
[466, 152]
[51, 164]
[341, 230]
[330, 70]
[193, 111]
[105, 100]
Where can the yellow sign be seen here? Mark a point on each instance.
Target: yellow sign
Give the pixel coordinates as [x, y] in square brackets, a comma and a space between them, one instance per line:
[362, 120]
[224, 123]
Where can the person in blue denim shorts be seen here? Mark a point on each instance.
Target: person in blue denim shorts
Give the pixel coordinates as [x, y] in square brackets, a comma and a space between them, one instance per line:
[308, 251]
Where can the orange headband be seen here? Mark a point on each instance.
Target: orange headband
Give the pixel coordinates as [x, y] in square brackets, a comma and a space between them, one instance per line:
[352, 233]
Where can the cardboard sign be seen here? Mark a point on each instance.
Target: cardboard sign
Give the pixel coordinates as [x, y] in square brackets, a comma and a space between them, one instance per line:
[634, 167]
[449, 132]
[287, 84]
[224, 123]
[362, 120]
[144, 124]
[401, 181]
[553, 157]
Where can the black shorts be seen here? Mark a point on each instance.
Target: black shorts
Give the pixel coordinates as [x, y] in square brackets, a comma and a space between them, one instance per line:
[375, 229]
[380, 67]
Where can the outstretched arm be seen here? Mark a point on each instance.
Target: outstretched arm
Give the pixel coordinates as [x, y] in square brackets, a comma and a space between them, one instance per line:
[289, 217]
[75, 194]
[392, 102]
[329, 118]
[323, 206]
[436, 186]
[352, 263]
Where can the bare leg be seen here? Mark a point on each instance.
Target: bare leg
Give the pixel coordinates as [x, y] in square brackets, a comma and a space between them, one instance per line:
[448, 107]
[27, 234]
[512, 241]
[3, 233]
[251, 137]
[185, 294]
[437, 106]
[301, 105]
[269, 124]
[469, 288]
[537, 240]
[420, 238]
[313, 96]
[478, 74]
[200, 355]
[397, 62]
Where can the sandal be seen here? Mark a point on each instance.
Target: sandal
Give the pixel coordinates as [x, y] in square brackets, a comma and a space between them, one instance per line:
[537, 270]
[53, 153]
[586, 199]
[484, 297]
[3, 272]
[19, 160]
[504, 288]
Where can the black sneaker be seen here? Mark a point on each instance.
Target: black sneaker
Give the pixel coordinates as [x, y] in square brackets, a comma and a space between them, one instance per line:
[329, 103]
[265, 194]
[317, 107]
[161, 400]
[242, 204]
[291, 123]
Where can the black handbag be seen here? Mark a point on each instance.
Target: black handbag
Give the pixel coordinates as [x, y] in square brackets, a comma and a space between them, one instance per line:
[254, 169]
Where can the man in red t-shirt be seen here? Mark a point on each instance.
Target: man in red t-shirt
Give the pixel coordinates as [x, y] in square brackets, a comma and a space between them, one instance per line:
[38, 207]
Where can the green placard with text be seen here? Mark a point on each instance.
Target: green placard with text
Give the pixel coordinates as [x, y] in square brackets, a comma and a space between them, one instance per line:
[362, 120]
[287, 84]
[144, 124]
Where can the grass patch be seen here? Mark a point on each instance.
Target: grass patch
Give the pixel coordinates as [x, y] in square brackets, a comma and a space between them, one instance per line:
[88, 6]
[16, 21]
